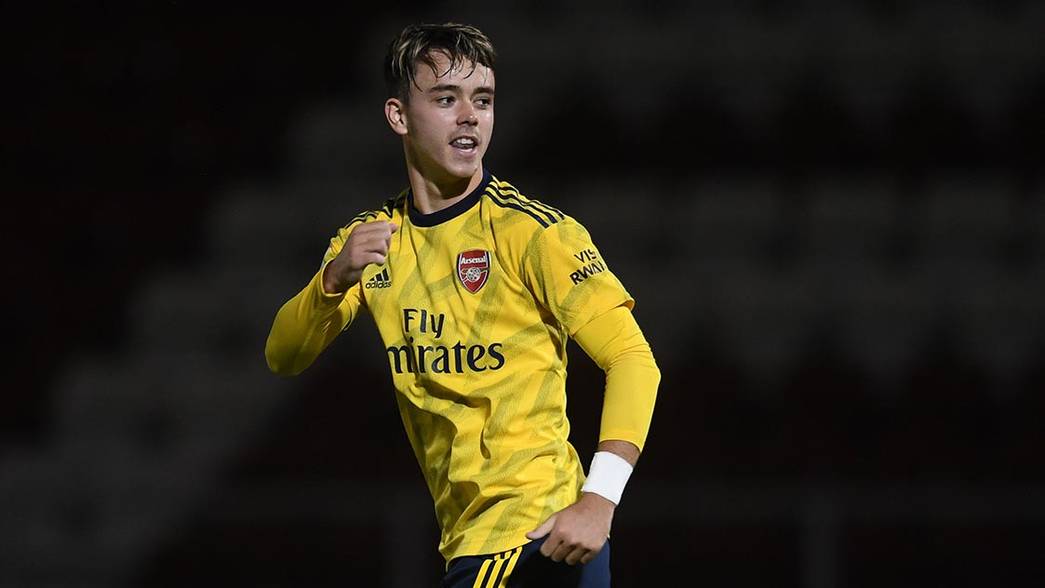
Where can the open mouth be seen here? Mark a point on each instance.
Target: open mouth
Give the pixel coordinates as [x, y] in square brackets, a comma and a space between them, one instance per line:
[465, 144]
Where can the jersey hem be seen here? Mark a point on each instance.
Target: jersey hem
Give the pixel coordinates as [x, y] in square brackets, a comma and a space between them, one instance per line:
[471, 548]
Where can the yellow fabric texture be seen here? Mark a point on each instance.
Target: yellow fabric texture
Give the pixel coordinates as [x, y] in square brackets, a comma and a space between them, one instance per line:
[616, 344]
[479, 376]
[308, 323]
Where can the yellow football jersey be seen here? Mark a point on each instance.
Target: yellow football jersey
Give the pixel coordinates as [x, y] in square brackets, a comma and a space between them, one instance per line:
[475, 304]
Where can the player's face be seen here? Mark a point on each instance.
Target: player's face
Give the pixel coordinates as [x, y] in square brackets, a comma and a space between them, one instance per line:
[449, 118]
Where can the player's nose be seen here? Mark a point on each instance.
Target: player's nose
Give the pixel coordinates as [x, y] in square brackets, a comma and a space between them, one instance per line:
[467, 115]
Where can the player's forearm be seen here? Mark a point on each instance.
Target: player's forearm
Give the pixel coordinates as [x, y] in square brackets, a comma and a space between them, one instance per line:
[304, 327]
[631, 393]
[624, 449]
[616, 344]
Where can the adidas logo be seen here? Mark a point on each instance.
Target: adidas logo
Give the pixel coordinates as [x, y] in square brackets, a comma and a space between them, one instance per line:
[380, 280]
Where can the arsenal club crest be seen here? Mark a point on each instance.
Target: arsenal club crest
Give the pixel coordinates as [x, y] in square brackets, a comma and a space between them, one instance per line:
[473, 267]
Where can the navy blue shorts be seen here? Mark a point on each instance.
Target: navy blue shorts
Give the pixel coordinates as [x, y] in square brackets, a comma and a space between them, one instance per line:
[525, 567]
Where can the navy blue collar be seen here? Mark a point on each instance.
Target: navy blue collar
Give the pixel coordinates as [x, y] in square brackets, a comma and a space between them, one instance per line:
[441, 216]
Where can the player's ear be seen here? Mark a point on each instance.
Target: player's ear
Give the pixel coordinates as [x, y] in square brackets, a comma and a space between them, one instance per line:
[395, 114]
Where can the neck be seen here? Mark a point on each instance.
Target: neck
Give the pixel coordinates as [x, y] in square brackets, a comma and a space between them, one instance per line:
[434, 194]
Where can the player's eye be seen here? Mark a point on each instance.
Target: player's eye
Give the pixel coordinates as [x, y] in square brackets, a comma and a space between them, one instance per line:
[445, 100]
[485, 102]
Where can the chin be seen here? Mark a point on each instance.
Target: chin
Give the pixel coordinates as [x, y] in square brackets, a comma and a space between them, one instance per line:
[463, 170]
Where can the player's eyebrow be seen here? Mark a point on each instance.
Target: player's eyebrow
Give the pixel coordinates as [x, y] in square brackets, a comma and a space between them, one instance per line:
[456, 88]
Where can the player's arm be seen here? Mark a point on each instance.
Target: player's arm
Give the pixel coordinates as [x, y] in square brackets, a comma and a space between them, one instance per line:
[570, 278]
[310, 321]
[615, 342]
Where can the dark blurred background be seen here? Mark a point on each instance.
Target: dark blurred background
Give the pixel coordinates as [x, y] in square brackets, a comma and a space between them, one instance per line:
[831, 214]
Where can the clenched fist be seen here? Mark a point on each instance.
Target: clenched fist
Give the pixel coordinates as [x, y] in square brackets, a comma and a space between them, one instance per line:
[368, 243]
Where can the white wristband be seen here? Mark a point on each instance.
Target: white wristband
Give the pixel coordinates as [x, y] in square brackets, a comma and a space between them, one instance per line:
[608, 475]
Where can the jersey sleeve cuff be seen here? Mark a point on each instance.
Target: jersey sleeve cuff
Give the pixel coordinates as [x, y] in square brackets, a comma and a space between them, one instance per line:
[631, 436]
[325, 296]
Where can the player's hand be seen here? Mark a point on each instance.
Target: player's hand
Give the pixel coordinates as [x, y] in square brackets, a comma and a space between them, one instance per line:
[577, 533]
[368, 243]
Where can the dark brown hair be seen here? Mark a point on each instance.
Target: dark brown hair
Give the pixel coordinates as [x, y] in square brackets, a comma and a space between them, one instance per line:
[460, 43]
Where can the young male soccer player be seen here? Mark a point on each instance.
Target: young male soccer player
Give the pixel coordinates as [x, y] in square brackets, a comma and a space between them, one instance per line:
[474, 289]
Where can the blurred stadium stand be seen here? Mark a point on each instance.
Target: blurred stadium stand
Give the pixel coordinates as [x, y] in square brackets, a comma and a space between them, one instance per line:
[831, 214]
